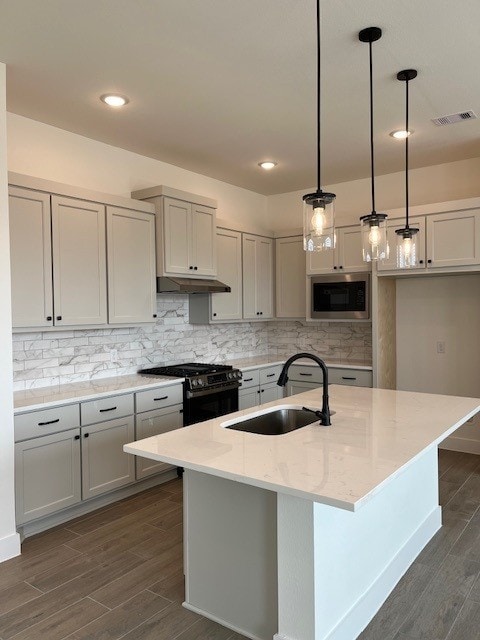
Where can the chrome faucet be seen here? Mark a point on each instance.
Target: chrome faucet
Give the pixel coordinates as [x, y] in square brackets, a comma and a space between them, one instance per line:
[324, 414]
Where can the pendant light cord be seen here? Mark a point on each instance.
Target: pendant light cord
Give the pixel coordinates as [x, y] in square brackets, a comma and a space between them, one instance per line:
[406, 156]
[319, 183]
[372, 154]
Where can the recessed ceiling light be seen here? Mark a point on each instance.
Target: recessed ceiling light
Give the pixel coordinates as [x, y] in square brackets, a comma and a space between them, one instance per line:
[267, 165]
[401, 135]
[114, 100]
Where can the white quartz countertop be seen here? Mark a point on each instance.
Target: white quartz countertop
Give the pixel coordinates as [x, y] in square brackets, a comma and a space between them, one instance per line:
[45, 397]
[374, 435]
[257, 362]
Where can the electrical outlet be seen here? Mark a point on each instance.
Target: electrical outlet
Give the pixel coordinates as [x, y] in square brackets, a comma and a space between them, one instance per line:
[440, 346]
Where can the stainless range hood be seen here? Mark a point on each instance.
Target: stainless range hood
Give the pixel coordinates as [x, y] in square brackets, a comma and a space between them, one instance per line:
[190, 285]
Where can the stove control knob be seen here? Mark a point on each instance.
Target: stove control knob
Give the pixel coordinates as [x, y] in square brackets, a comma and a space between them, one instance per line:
[200, 382]
[230, 375]
[194, 383]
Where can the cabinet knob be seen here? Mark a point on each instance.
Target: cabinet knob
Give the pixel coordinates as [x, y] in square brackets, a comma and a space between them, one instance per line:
[261, 313]
[190, 267]
[429, 261]
[85, 435]
[214, 315]
[340, 267]
[77, 437]
[334, 267]
[154, 315]
[49, 318]
[263, 390]
[195, 268]
[420, 262]
[59, 317]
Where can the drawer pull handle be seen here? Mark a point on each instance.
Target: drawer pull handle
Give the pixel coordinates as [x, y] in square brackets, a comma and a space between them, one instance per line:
[110, 409]
[270, 375]
[247, 379]
[347, 378]
[42, 424]
[309, 375]
[162, 398]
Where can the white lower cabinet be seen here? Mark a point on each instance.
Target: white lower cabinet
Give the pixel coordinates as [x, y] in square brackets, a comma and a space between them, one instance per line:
[104, 464]
[303, 378]
[153, 423]
[296, 386]
[47, 474]
[259, 386]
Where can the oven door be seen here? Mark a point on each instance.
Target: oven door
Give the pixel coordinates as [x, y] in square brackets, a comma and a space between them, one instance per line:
[344, 296]
[208, 404]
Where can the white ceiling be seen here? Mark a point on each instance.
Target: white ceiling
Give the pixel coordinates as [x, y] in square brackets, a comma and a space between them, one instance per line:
[218, 85]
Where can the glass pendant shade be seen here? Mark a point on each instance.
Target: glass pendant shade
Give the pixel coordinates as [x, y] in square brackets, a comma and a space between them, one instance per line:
[374, 237]
[318, 221]
[407, 248]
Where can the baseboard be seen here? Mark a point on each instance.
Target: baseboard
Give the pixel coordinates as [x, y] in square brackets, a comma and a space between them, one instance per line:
[463, 445]
[42, 524]
[224, 623]
[358, 617]
[9, 547]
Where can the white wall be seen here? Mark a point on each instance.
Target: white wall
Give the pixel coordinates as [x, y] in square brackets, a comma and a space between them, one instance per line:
[439, 183]
[9, 539]
[43, 151]
[445, 309]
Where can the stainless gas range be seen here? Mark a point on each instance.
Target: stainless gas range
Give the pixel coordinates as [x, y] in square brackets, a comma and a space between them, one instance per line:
[209, 390]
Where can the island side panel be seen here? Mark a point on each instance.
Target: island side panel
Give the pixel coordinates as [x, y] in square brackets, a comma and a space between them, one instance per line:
[231, 554]
[357, 557]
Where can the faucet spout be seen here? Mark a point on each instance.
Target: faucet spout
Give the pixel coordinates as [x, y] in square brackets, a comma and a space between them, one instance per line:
[283, 379]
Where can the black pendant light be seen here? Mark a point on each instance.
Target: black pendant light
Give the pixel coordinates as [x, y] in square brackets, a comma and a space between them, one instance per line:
[318, 207]
[407, 237]
[373, 225]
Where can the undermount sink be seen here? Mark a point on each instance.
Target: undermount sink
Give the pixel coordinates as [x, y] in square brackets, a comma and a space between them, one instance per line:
[273, 421]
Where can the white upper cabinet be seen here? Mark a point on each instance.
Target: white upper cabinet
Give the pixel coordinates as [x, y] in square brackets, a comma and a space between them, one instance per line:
[228, 306]
[131, 266]
[31, 258]
[392, 226]
[79, 262]
[346, 257]
[257, 277]
[187, 239]
[453, 239]
[290, 277]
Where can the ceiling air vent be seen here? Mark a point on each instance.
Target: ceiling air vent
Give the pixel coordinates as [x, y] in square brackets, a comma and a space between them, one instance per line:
[454, 117]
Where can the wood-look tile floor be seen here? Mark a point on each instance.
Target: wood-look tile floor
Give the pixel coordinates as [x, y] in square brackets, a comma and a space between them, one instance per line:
[117, 573]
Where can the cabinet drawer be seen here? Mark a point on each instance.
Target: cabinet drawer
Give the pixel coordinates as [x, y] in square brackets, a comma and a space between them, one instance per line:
[106, 409]
[250, 379]
[45, 421]
[304, 373]
[352, 377]
[158, 398]
[270, 374]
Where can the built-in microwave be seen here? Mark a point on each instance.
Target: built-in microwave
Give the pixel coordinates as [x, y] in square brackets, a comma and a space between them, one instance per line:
[344, 296]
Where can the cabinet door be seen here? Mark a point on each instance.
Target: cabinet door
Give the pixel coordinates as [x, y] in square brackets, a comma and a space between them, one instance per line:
[79, 262]
[47, 474]
[31, 258]
[248, 398]
[131, 266]
[271, 392]
[249, 244]
[228, 306]
[153, 423]
[177, 230]
[391, 263]
[349, 250]
[294, 387]
[203, 250]
[104, 464]
[321, 261]
[290, 277]
[453, 239]
[264, 277]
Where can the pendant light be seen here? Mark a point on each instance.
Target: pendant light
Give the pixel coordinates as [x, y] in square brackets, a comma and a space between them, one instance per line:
[318, 207]
[407, 237]
[373, 225]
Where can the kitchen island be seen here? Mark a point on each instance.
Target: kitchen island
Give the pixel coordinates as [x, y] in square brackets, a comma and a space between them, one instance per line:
[302, 536]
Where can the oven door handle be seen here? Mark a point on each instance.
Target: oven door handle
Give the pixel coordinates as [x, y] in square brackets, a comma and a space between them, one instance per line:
[208, 392]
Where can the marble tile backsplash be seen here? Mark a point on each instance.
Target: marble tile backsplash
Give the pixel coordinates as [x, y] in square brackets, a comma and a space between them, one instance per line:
[49, 358]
